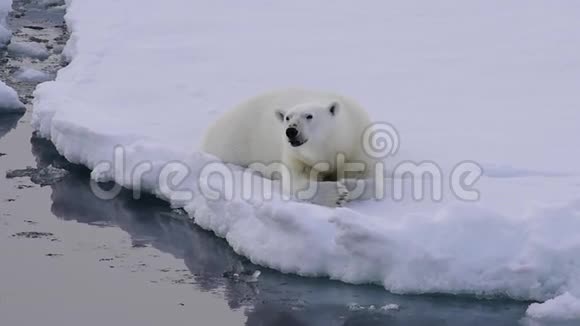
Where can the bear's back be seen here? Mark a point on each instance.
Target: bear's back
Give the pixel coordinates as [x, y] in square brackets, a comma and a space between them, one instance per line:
[250, 132]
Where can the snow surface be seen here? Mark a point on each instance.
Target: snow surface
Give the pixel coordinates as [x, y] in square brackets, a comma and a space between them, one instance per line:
[32, 75]
[494, 82]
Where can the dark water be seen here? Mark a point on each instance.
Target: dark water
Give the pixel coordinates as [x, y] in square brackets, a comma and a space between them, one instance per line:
[276, 299]
[8, 122]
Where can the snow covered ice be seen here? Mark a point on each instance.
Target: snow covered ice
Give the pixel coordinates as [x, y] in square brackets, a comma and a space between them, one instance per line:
[565, 307]
[487, 81]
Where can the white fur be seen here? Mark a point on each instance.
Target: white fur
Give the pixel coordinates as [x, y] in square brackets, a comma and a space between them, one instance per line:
[255, 132]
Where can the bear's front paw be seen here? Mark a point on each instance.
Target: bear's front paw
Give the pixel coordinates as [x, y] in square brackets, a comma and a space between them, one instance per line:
[342, 194]
[331, 194]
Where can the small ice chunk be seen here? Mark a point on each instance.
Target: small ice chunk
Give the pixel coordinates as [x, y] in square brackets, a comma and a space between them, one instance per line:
[32, 75]
[42, 176]
[4, 36]
[358, 307]
[245, 276]
[355, 307]
[390, 306]
[28, 49]
[51, 3]
[9, 101]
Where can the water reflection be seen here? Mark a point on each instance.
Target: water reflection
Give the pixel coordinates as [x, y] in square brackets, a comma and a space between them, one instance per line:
[276, 299]
[8, 122]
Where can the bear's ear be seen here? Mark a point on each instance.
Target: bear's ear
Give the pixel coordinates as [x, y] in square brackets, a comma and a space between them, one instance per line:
[280, 115]
[333, 108]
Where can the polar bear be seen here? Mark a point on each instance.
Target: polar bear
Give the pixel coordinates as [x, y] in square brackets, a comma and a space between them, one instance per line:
[310, 140]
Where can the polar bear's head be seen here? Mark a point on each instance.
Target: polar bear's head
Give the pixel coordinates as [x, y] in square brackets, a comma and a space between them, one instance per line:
[309, 122]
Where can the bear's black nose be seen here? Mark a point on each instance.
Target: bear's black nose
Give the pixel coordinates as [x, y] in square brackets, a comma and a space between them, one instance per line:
[291, 132]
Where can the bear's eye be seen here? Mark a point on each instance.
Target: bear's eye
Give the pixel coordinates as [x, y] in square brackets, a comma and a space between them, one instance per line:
[309, 117]
[287, 118]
